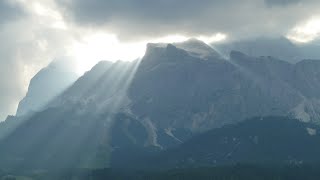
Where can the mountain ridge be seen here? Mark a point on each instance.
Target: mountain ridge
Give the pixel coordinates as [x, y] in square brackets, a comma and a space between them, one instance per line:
[159, 102]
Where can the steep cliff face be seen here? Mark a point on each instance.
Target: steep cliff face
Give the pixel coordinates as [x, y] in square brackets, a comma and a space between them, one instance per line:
[48, 83]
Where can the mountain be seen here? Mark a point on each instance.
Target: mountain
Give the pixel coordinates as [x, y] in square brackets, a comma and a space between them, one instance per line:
[46, 85]
[80, 127]
[279, 47]
[261, 140]
[193, 47]
[174, 89]
[197, 48]
[121, 110]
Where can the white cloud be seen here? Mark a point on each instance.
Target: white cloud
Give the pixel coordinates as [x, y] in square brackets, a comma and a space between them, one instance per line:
[28, 43]
[306, 31]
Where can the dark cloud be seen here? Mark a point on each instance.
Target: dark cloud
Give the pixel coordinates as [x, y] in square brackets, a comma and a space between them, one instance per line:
[10, 11]
[104, 11]
[152, 18]
[148, 16]
[272, 3]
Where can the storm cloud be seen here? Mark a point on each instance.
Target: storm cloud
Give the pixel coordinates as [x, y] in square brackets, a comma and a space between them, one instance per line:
[148, 18]
[272, 3]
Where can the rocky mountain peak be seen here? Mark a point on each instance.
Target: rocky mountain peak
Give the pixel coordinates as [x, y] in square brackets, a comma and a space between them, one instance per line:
[191, 47]
[197, 48]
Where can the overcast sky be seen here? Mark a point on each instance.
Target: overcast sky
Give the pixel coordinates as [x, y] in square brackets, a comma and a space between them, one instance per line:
[34, 32]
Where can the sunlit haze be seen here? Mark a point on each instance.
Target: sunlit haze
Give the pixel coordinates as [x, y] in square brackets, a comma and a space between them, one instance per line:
[159, 89]
[102, 46]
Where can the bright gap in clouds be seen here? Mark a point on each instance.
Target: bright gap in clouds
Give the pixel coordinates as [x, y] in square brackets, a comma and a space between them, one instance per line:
[102, 46]
[97, 47]
[306, 32]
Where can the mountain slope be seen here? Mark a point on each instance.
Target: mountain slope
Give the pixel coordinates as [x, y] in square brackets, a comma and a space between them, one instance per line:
[262, 140]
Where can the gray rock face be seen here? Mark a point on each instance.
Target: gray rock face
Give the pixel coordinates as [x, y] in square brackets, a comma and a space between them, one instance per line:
[46, 85]
[198, 95]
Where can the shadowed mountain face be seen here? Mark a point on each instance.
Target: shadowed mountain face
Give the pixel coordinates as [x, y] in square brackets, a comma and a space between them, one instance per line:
[174, 92]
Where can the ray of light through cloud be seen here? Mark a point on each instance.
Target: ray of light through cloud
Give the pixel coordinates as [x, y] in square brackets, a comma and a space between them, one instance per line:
[90, 31]
[103, 46]
[53, 28]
